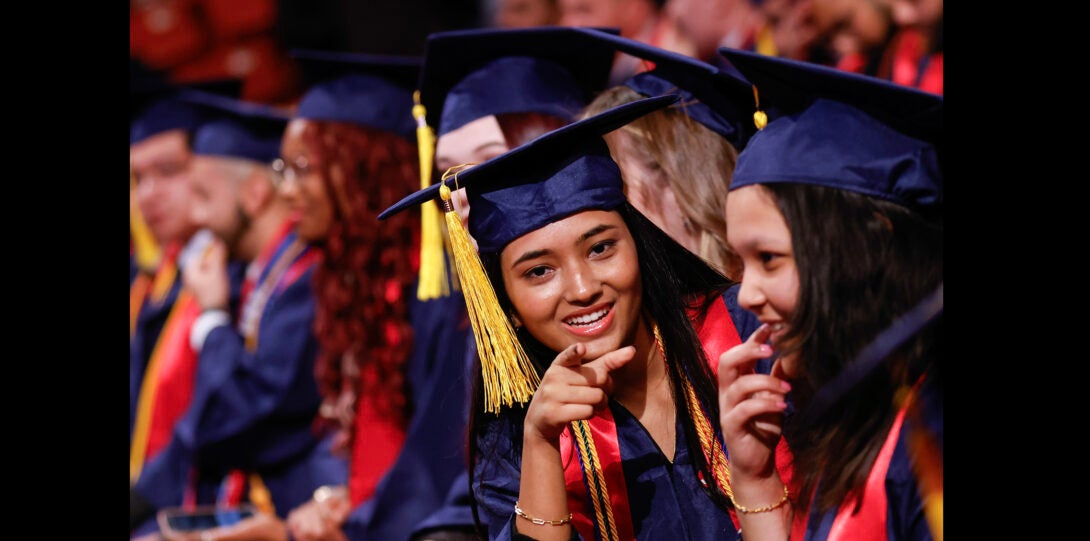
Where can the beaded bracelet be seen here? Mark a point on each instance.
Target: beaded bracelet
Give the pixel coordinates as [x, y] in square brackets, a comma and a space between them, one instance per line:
[541, 521]
[764, 509]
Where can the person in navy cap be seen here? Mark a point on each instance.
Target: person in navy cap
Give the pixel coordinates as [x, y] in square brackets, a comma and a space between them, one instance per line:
[836, 209]
[484, 92]
[159, 314]
[390, 368]
[677, 162]
[595, 409]
[246, 435]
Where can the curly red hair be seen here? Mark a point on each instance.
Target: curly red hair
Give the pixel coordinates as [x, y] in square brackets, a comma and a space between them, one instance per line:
[367, 271]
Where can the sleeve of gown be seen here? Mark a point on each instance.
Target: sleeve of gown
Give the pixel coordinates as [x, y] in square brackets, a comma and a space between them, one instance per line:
[265, 399]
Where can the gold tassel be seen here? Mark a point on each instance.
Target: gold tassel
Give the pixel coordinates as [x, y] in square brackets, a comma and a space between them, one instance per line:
[433, 272]
[507, 373]
[760, 119]
[145, 248]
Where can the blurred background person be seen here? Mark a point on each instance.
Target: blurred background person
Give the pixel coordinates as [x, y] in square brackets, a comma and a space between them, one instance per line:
[642, 20]
[677, 162]
[917, 46]
[856, 34]
[521, 13]
[161, 363]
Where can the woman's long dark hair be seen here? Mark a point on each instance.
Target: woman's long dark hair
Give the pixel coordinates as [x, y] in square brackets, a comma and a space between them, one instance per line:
[869, 262]
[674, 281]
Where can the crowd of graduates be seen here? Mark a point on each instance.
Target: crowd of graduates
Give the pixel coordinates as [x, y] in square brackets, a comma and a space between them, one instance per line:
[623, 269]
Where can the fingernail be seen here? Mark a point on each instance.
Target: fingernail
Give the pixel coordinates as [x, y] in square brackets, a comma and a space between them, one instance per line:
[781, 404]
[764, 349]
[785, 386]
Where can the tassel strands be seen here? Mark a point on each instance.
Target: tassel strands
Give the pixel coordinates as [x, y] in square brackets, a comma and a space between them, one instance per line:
[507, 373]
[433, 282]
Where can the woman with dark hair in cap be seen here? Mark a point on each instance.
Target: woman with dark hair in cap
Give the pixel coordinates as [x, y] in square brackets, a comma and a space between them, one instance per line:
[594, 415]
[836, 211]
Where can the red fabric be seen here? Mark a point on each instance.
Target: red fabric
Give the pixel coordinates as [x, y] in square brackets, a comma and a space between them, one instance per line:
[604, 431]
[233, 19]
[166, 33]
[175, 373]
[375, 447]
[717, 334]
[266, 72]
[869, 523]
[915, 67]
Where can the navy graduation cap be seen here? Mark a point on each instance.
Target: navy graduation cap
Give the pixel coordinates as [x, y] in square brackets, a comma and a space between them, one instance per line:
[557, 174]
[154, 104]
[469, 74]
[235, 128]
[843, 130]
[720, 100]
[560, 173]
[365, 89]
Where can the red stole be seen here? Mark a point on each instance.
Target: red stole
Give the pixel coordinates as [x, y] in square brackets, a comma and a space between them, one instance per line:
[168, 384]
[869, 523]
[915, 67]
[717, 334]
[376, 445]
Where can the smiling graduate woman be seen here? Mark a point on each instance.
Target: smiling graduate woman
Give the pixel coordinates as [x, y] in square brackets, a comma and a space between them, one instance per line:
[595, 414]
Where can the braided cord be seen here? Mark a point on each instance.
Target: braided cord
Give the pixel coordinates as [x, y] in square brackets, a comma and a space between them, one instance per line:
[595, 480]
[709, 443]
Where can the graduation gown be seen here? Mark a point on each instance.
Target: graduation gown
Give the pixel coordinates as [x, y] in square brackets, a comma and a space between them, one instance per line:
[254, 405]
[433, 453]
[665, 499]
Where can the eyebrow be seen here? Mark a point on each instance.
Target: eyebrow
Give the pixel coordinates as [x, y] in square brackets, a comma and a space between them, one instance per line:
[596, 230]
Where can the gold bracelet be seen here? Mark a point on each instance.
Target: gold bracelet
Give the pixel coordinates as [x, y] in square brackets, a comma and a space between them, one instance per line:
[765, 509]
[541, 521]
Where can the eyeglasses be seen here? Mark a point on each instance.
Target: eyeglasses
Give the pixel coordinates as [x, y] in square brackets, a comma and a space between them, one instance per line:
[291, 172]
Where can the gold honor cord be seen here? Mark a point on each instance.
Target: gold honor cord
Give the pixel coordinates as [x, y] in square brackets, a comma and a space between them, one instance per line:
[595, 479]
[506, 371]
[145, 248]
[433, 281]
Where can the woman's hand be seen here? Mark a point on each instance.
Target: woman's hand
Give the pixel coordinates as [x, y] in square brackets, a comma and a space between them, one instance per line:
[321, 518]
[571, 390]
[750, 408]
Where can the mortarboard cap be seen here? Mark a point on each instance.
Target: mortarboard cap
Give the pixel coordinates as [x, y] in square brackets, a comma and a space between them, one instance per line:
[154, 104]
[557, 174]
[560, 173]
[235, 128]
[838, 129]
[364, 89]
[718, 99]
[470, 74]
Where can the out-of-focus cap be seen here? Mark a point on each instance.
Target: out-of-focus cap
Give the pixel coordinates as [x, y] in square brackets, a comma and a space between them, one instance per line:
[843, 130]
[237, 129]
[560, 173]
[718, 99]
[470, 74]
[368, 90]
[154, 106]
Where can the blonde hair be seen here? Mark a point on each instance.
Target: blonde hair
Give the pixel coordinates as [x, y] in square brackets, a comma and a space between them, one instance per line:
[698, 165]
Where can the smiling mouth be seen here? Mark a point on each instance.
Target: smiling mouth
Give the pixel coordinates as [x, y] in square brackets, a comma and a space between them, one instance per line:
[588, 319]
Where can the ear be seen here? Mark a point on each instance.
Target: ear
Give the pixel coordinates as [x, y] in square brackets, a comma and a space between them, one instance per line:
[256, 192]
[515, 321]
[884, 221]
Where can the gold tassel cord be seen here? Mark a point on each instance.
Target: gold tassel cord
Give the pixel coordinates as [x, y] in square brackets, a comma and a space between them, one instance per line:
[597, 491]
[507, 373]
[717, 458]
[145, 248]
[433, 281]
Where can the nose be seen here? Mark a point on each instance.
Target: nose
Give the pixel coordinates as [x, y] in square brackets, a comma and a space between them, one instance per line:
[582, 286]
[750, 295]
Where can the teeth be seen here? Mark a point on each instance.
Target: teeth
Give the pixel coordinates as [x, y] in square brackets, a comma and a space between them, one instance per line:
[588, 318]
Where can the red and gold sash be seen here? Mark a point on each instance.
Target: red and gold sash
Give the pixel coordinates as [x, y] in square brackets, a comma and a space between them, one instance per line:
[167, 386]
[594, 478]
